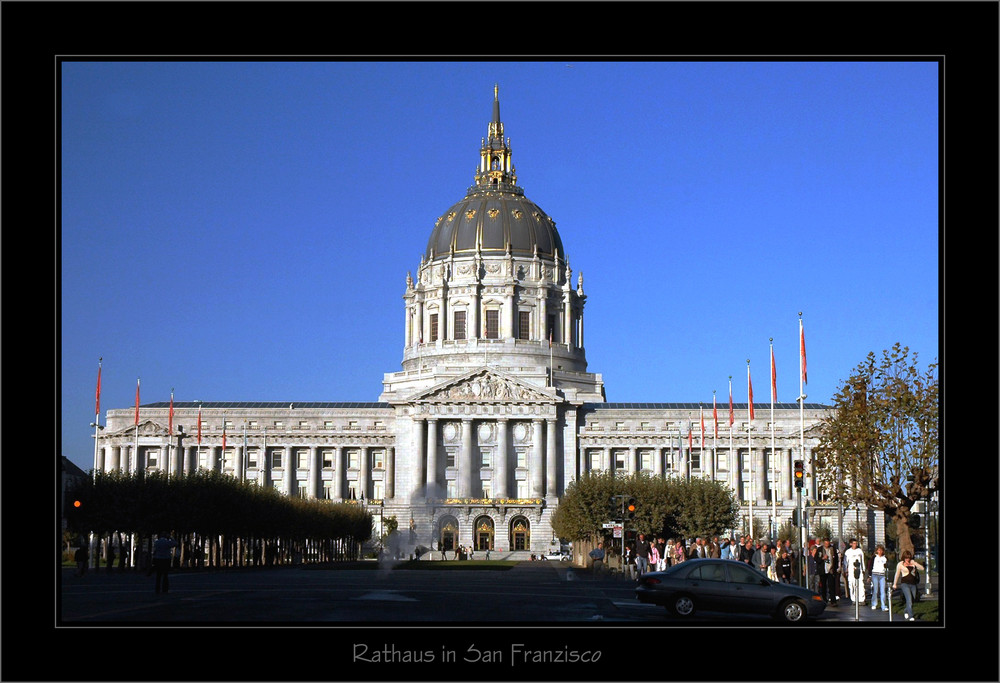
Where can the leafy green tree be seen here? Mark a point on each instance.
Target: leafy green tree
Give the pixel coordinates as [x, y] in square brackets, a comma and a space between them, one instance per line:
[880, 446]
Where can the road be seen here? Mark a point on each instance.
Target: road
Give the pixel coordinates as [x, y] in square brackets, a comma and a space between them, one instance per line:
[530, 592]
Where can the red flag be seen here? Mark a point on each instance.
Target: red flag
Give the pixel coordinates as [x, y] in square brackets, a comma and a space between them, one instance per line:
[802, 351]
[199, 424]
[223, 437]
[731, 418]
[774, 379]
[702, 427]
[689, 438]
[137, 401]
[550, 338]
[170, 418]
[97, 410]
[750, 391]
[715, 415]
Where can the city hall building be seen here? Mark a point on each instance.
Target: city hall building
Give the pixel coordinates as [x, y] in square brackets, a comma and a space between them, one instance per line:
[494, 412]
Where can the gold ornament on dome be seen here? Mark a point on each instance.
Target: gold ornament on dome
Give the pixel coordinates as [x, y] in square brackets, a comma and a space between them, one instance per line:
[470, 214]
[451, 216]
[494, 213]
[516, 213]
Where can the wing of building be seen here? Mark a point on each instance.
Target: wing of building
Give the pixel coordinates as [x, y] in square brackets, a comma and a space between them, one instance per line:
[494, 412]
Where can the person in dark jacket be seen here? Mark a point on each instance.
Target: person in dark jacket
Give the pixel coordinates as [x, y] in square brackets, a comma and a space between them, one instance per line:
[746, 552]
[828, 568]
[783, 570]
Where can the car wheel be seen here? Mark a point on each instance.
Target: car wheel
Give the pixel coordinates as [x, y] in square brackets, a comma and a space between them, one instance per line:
[792, 611]
[682, 606]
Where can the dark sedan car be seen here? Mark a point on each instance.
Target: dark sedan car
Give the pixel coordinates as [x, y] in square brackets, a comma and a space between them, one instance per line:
[726, 586]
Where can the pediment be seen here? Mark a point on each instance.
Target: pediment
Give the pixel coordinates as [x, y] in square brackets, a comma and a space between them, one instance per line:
[146, 428]
[485, 386]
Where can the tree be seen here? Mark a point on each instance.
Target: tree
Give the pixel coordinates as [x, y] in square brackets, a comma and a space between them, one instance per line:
[880, 446]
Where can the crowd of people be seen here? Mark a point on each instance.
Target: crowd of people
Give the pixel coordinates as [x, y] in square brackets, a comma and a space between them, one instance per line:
[835, 571]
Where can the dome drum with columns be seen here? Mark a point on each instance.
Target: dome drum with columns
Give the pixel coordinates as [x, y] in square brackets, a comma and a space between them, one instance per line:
[493, 413]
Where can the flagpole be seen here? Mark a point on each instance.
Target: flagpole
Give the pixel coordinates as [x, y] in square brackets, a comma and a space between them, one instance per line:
[750, 442]
[701, 417]
[136, 425]
[802, 393]
[715, 438]
[774, 479]
[170, 433]
[97, 413]
[734, 461]
[243, 461]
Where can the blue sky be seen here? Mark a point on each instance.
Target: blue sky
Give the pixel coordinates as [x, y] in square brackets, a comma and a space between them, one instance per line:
[242, 231]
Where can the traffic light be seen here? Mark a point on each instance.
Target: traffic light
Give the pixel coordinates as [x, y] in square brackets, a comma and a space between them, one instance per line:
[799, 473]
[795, 517]
[630, 507]
[614, 510]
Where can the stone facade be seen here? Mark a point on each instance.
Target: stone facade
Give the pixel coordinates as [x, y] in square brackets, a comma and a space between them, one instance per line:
[493, 413]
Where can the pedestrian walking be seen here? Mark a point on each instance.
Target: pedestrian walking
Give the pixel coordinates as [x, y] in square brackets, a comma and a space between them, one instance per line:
[597, 558]
[854, 559]
[877, 573]
[906, 579]
[81, 557]
[828, 568]
[163, 548]
[654, 557]
[642, 550]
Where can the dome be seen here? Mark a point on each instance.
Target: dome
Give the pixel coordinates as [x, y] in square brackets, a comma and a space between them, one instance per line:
[492, 221]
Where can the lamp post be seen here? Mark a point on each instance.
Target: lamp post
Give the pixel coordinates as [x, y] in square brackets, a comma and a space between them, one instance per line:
[927, 540]
[381, 517]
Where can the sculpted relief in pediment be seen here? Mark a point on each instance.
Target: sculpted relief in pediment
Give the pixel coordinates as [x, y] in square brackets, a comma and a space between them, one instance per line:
[486, 387]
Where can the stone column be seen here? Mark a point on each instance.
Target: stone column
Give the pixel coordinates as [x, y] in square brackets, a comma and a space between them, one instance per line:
[537, 473]
[709, 467]
[214, 458]
[606, 459]
[633, 460]
[786, 472]
[567, 321]
[390, 472]
[408, 326]
[315, 473]
[420, 453]
[291, 465]
[238, 462]
[500, 461]
[465, 467]
[339, 472]
[658, 462]
[761, 483]
[551, 460]
[543, 315]
[509, 316]
[432, 467]
[364, 467]
[116, 459]
[419, 321]
[444, 329]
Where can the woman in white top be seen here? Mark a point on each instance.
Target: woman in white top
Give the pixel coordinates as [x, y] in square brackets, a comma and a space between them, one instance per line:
[878, 570]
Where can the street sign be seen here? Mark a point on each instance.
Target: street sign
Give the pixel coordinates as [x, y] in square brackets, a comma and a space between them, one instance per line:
[617, 532]
[608, 525]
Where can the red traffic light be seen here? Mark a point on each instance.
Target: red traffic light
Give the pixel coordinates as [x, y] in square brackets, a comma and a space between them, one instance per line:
[77, 503]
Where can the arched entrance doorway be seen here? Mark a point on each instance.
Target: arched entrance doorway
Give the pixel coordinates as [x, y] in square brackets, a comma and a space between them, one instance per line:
[448, 534]
[520, 534]
[484, 533]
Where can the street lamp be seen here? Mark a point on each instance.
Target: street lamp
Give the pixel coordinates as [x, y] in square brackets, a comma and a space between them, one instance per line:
[381, 516]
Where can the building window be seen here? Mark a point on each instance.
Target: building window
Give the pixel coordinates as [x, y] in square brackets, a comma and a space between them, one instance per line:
[352, 490]
[203, 459]
[723, 457]
[695, 460]
[303, 424]
[151, 459]
[646, 461]
[459, 325]
[492, 324]
[328, 490]
[303, 459]
[524, 324]
[486, 490]
[434, 327]
[276, 459]
[451, 490]
[328, 460]
[301, 490]
[522, 458]
[619, 460]
[327, 424]
[487, 459]
[449, 458]
[378, 460]
[378, 491]
[228, 424]
[252, 424]
[354, 460]
[251, 458]
[595, 460]
[522, 489]
[352, 424]
[278, 424]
